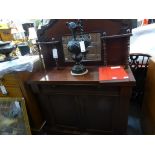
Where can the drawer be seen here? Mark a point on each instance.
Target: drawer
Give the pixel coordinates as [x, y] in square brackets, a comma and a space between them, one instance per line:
[12, 92]
[9, 80]
[79, 89]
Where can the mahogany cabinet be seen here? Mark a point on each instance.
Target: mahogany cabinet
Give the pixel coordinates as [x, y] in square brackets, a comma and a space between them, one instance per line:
[82, 104]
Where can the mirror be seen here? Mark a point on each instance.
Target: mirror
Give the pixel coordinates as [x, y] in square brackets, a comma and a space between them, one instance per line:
[94, 53]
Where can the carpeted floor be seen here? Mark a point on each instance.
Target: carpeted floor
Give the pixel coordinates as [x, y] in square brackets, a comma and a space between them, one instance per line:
[134, 126]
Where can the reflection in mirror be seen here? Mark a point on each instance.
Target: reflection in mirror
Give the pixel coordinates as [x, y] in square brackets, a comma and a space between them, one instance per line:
[94, 49]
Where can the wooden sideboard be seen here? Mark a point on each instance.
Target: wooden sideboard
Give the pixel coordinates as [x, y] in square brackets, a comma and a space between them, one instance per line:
[82, 104]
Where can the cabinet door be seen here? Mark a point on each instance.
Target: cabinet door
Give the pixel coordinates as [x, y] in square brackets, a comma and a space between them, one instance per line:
[95, 109]
[99, 112]
[60, 110]
[92, 113]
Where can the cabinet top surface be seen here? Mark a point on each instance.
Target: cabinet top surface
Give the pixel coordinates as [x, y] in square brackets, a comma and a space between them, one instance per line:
[63, 76]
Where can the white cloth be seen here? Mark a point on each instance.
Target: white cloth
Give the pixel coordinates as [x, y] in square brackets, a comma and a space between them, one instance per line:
[143, 40]
[23, 63]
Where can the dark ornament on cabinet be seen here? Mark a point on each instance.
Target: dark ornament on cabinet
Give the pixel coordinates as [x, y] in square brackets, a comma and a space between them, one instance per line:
[78, 47]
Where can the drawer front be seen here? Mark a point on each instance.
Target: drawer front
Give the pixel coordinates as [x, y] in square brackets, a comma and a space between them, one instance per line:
[12, 92]
[78, 89]
[9, 80]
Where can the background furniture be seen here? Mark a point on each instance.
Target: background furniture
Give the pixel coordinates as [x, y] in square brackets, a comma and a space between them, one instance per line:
[148, 108]
[13, 116]
[15, 84]
[138, 63]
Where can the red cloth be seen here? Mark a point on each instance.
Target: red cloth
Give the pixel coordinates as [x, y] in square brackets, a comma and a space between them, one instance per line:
[112, 73]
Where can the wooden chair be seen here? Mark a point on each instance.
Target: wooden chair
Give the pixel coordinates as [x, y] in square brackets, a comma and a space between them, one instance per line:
[138, 63]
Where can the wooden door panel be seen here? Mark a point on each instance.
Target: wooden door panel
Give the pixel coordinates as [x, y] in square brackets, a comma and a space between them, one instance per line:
[65, 109]
[99, 111]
